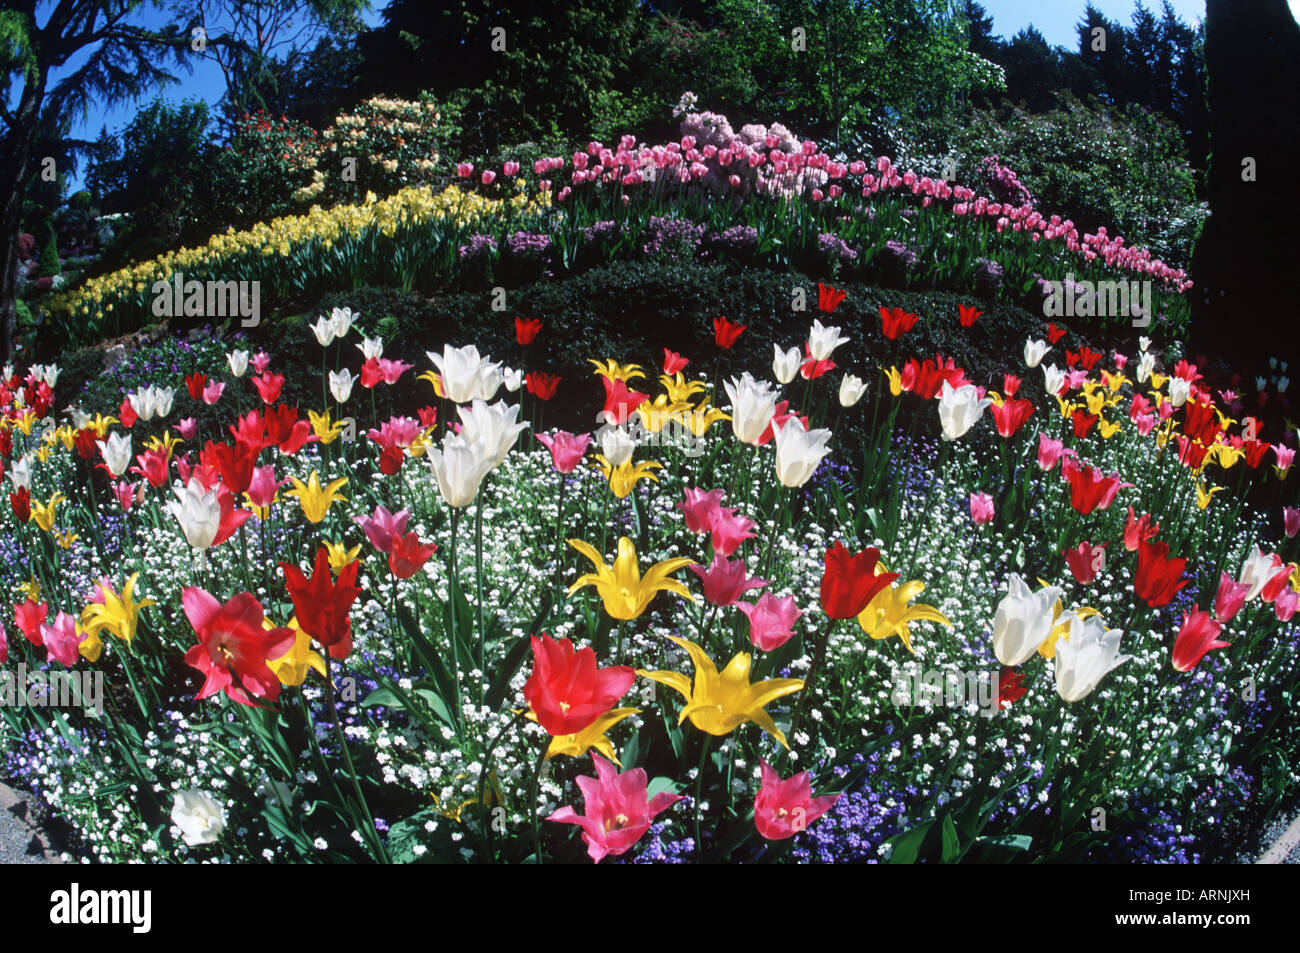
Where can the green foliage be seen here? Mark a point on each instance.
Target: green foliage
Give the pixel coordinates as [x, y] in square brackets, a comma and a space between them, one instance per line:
[50, 258]
[268, 160]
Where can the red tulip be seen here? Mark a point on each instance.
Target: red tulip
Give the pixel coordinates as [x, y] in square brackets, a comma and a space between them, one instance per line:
[1158, 577]
[1054, 333]
[1089, 489]
[233, 646]
[409, 555]
[1083, 423]
[1198, 635]
[1010, 686]
[21, 501]
[725, 333]
[1136, 531]
[127, 413]
[566, 690]
[1085, 562]
[674, 362]
[543, 386]
[322, 604]
[235, 464]
[284, 428]
[391, 459]
[619, 401]
[895, 322]
[526, 330]
[850, 582]
[268, 387]
[30, 616]
[86, 444]
[968, 315]
[195, 383]
[828, 298]
[1011, 415]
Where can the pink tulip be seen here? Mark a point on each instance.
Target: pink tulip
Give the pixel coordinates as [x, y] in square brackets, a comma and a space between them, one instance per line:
[567, 450]
[212, 393]
[4, 646]
[510, 168]
[1146, 423]
[730, 530]
[488, 177]
[1050, 451]
[61, 640]
[981, 508]
[128, 493]
[1285, 457]
[700, 508]
[464, 169]
[1286, 603]
[771, 620]
[725, 580]
[188, 428]
[784, 808]
[383, 528]
[1230, 597]
[618, 809]
[261, 361]
[263, 487]
[1291, 520]
[1198, 635]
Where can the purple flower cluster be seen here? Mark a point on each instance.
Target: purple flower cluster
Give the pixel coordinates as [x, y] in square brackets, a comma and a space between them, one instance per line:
[739, 241]
[899, 256]
[988, 277]
[479, 248]
[674, 237]
[528, 245]
[836, 249]
[1003, 184]
[861, 820]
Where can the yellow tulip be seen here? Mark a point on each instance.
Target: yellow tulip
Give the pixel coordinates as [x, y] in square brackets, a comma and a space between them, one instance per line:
[593, 736]
[895, 381]
[119, 614]
[31, 589]
[340, 556]
[314, 500]
[888, 612]
[624, 477]
[615, 371]
[320, 424]
[625, 592]
[1203, 496]
[433, 379]
[699, 420]
[719, 703]
[291, 668]
[43, 514]
[679, 389]
[167, 443]
[1108, 428]
[65, 539]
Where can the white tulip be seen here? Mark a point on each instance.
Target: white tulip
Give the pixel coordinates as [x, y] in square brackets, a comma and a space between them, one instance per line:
[959, 409]
[514, 379]
[371, 348]
[1053, 379]
[1146, 365]
[163, 397]
[851, 390]
[197, 511]
[494, 427]
[1035, 351]
[79, 418]
[1283, 383]
[21, 473]
[459, 467]
[1143, 344]
[798, 451]
[785, 365]
[1023, 621]
[324, 330]
[117, 453]
[341, 322]
[1178, 391]
[1260, 383]
[238, 361]
[1083, 660]
[199, 817]
[465, 375]
[1256, 571]
[616, 444]
[753, 405]
[822, 341]
[341, 384]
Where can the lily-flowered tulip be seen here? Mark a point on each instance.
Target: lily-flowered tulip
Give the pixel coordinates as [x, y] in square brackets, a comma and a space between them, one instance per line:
[850, 581]
[625, 592]
[981, 508]
[595, 737]
[29, 616]
[700, 509]
[292, 667]
[1256, 571]
[624, 477]
[207, 516]
[321, 604]
[1178, 391]
[784, 808]
[1198, 635]
[65, 641]
[725, 580]
[234, 646]
[314, 499]
[798, 451]
[465, 375]
[494, 427]
[1085, 658]
[567, 691]
[616, 445]
[117, 453]
[785, 364]
[959, 409]
[1229, 599]
[341, 384]
[718, 704]
[567, 450]
[890, 612]
[1085, 561]
[1035, 351]
[851, 390]
[771, 620]
[1053, 380]
[238, 361]
[753, 404]
[409, 555]
[618, 809]
[459, 467]
[1158, 577]
[822, 341]
[113, 612]
[324, 331]
[729, 531]
[1023, 621]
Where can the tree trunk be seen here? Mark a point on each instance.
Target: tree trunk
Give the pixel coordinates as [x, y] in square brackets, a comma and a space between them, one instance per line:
[15, 152]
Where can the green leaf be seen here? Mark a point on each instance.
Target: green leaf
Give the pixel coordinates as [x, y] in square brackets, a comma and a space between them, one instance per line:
[907, 846]
[951, 848]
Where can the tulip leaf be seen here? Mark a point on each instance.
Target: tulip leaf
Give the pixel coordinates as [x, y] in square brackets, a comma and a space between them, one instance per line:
[658, 785]
[951, 847]
[907, 846]
[515, 657]
[1010, 841]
